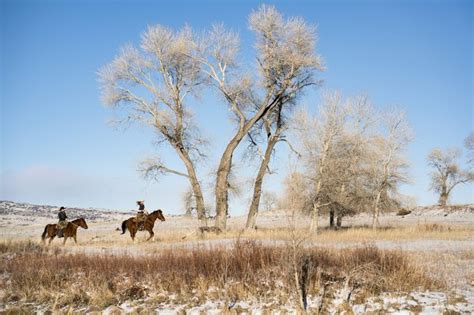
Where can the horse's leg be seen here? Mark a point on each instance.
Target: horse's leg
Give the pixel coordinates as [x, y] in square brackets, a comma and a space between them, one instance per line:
[152, 234]
[50, 239]
[133, 231]
[74, 233]
[65, 238]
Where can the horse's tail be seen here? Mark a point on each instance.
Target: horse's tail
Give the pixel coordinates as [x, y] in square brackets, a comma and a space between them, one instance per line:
[43, 236]
[124, 226]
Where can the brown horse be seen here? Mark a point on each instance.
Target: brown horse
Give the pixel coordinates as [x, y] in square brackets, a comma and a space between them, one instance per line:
[51, 230]
[132, 226]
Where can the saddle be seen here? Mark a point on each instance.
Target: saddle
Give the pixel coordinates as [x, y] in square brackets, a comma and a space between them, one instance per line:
[141, 218]
[61, 226]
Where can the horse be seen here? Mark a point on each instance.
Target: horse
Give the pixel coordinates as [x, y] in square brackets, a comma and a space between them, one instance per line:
[132, 225]
[51, 230]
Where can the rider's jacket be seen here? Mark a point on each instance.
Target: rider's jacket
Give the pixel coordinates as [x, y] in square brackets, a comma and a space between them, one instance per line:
[62, 215]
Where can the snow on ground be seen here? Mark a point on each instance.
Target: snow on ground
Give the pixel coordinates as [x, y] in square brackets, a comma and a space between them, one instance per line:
[451, 259]
[412, 303]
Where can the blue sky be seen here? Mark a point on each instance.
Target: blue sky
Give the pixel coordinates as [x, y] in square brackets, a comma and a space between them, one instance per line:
[58, 148]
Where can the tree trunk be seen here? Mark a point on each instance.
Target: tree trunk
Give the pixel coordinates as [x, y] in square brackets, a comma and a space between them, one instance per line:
[443, 197]
[375, 218]
[196, 186]
[200, 208]
[316, 205]
[189, 212]
[222, 182]
[342, 192]
[315, 218]
[339, 220]
[257, 190]
[331, 218]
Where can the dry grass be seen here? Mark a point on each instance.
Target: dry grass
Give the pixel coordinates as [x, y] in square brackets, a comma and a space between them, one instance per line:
[365, 233]
[245, 270]
[421, 231]
[360, 234]
[22, 247]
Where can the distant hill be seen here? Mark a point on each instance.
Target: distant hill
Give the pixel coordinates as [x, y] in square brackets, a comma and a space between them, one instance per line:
[47, 211]
[444, 211]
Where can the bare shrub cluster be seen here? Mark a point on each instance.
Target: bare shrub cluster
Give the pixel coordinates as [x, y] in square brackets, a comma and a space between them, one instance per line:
[244, 271]
[352, 159]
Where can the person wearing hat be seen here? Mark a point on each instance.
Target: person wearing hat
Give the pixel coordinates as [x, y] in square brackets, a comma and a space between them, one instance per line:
[141, 214]
[62, 223]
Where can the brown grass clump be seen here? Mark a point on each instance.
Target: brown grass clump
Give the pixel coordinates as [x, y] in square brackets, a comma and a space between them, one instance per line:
[433, 227]
[245, 270]
[20, 247]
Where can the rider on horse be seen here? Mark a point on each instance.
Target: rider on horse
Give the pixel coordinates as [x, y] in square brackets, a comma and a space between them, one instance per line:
[62, 223]
[141, 214]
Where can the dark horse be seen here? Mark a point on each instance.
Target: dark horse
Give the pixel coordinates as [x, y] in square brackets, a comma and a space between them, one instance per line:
[51, 230]
[132, 226]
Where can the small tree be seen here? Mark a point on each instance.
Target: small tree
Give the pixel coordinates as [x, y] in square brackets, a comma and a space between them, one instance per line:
[296, 195]
[350, 160]
[269, 200]
[388, 165]
[319, 137]
[446, 173]
[189, 202]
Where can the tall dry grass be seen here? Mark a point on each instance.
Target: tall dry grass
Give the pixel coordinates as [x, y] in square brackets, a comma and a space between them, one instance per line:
[247, 270]
[364, 233]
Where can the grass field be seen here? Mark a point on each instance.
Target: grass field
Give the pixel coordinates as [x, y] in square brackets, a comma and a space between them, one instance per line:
[422, 266]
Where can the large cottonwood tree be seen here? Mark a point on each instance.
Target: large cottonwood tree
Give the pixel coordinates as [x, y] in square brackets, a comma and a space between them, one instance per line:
[152, 84]
[285, 62]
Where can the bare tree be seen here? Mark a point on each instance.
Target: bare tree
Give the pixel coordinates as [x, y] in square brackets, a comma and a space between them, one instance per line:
[447, 174]
[269, 200]
[285, 61]
[273, 136]
[296, 195]
[348, 161]
[388, 165]
[274, 123]
[353, 157]
[273, 126]
[189, 202]
[152, 84]
[319, 136]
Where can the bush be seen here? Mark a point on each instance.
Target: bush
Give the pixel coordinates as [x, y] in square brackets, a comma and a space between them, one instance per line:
[403, 211]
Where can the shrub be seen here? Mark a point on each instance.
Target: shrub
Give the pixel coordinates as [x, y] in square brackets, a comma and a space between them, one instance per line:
[403, 211]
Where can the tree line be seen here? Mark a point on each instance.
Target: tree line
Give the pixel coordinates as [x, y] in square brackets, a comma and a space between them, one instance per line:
[353, 154]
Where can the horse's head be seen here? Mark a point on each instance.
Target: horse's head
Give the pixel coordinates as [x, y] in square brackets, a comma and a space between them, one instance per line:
[82, 223]
[159, 215]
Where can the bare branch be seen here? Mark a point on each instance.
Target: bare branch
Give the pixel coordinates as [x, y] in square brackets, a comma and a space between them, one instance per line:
[153, 168]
